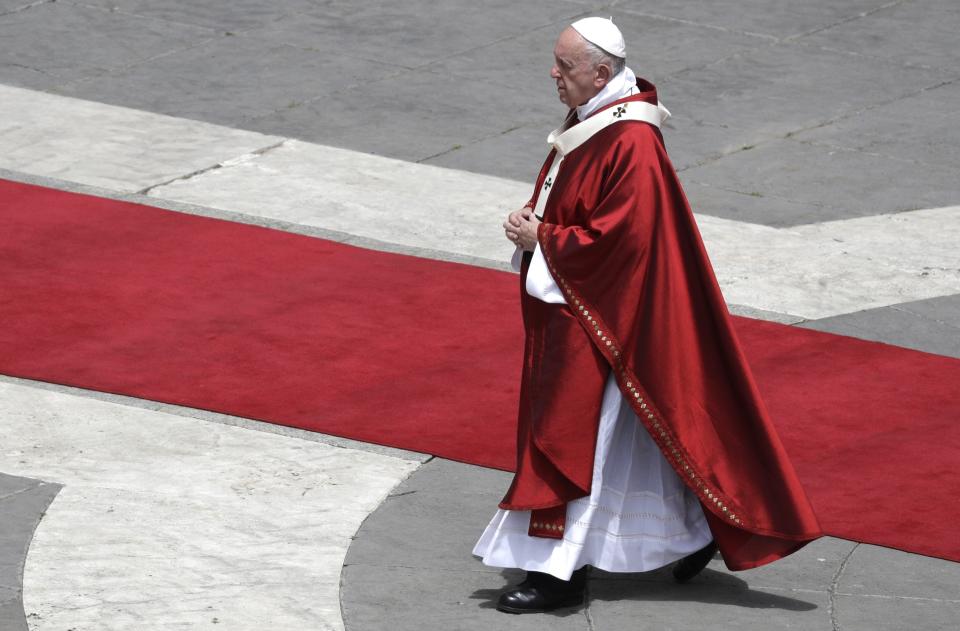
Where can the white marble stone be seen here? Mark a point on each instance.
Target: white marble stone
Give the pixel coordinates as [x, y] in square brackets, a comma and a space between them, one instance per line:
[168, 522]
[837, 267]
[361, 194]
[112, 147]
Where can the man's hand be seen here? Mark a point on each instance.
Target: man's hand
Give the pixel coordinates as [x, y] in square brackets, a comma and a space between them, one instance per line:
[521, 228]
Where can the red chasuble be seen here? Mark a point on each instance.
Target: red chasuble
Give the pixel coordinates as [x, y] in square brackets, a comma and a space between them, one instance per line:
[642, 301]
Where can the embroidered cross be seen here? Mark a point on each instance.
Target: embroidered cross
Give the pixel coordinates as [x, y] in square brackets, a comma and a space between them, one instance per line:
[621, 110]
[547, 184]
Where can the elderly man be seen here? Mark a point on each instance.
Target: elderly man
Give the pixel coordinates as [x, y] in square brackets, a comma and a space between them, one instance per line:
[641, 437]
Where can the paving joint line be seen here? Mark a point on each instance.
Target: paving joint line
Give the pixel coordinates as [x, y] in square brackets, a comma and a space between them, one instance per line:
[889, 60]
[35, 486]
[114, 9]
[717, 27]
[857, 112]
[256, 153]
[587, 613]
[818, 205]
[121, 11]
[790, 134]
[920, 316]
[876, 154]
[949, 601]
[506, 38]
[26, 7]
[425, 66]
[807, 590]
[140, 62]
[31, 68]
[834, 584]
[458, 147]
[849, 18]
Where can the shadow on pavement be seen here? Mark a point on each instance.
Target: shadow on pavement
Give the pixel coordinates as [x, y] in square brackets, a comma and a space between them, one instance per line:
[711, 587]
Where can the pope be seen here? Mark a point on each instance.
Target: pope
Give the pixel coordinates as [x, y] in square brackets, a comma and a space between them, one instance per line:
[642, 438]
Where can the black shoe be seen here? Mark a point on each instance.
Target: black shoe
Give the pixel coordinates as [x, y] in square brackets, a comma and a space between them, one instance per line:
[542, 592]
[689, 566]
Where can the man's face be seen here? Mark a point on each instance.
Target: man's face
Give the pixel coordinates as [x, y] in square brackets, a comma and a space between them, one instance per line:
[577, 80]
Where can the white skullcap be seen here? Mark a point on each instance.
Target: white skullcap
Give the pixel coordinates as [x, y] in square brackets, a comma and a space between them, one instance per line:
[603, 33]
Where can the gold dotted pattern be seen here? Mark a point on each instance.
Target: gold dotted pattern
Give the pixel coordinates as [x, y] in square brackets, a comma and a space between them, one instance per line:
[546, 526]
[706, 493]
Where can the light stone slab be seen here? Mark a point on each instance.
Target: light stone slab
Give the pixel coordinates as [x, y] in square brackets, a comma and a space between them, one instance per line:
[826, 269]
[113, 147]
[381, 198]
[172, 522]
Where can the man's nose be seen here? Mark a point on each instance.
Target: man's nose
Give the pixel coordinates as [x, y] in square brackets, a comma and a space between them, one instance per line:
[554, 72]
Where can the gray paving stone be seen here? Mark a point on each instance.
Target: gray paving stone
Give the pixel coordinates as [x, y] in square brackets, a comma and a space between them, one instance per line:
[716, 601]
[409, 567]
[748, 204]
[930, 325]
[944, 310]
[656, 48]
[221, 15]
[11, 485]
[691, 142]
[48, 77]
[826, 183]
[516, 154]
[777, 18]
[918, 32]
[10, 6]
[921, 129]
[901, 578]
[408, 600]
[63, 36]
[413, 33]
[810, 570]
[896, 614]
[23, 502]
[229, 80]
[396, 118]
[788, 88]
[452, 502]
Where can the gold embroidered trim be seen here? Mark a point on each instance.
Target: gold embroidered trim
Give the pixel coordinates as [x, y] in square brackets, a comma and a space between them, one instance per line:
[640, 401]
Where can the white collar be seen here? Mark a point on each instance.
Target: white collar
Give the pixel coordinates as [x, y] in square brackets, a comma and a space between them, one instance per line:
[624, 84]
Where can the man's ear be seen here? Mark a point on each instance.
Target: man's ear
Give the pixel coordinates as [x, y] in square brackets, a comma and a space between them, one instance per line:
[602, 75]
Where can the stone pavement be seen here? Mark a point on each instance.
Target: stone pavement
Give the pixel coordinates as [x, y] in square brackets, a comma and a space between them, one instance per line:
[818, 143]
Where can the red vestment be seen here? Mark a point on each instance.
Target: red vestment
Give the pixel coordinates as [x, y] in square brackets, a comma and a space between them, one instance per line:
[642, 301]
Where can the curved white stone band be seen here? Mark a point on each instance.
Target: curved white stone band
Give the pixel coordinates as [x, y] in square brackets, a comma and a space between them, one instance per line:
[169, 521]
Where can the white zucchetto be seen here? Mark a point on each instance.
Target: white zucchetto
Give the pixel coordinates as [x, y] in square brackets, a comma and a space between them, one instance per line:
[603, 33]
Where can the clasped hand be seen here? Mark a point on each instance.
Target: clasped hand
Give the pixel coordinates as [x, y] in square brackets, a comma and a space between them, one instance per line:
[521, 228]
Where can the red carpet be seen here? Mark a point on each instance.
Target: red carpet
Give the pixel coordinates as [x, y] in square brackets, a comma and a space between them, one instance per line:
[421, 354]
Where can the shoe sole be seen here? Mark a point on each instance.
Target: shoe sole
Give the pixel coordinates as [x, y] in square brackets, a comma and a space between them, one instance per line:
[572, 602]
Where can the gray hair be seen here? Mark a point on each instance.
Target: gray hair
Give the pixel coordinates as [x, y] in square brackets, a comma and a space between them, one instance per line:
[598, 56]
